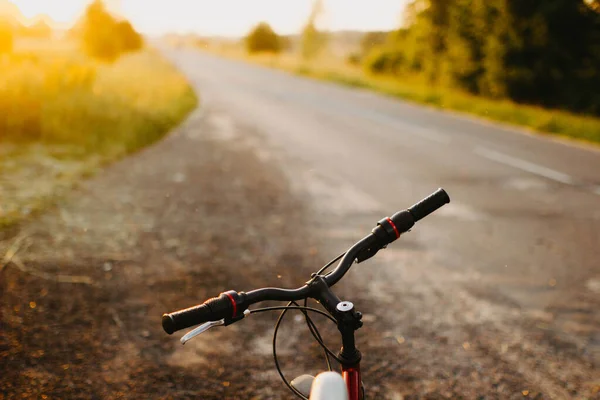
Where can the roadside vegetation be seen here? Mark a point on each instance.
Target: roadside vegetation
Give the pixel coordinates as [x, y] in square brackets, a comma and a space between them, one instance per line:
[70, 105]
[262, 39]
[103, 36]
[329, 68]
[499, 60]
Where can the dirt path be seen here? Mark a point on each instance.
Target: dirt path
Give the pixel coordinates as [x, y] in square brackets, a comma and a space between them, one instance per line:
[170, 226]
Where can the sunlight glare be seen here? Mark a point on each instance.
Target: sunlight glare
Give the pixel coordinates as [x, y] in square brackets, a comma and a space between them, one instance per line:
[228, 17]
[63, 11]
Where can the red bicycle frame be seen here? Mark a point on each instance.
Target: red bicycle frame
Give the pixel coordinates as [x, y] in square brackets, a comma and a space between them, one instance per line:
[353, 381]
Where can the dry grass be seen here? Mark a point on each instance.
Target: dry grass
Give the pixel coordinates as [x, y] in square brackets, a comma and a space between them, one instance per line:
[62, 97]
[63, 115]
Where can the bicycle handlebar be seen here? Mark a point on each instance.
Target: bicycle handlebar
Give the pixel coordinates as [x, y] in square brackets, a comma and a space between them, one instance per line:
[231, 305]
[429, 204]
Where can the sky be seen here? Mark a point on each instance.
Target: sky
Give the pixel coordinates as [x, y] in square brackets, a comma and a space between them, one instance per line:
[229, 17]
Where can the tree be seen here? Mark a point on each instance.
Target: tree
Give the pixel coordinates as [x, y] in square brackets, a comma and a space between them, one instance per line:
[98, 28]
[103, 36]
[494, 78]
[313, 41]
[544, 52]
[554, 57]
[262, 38]
[130, 39]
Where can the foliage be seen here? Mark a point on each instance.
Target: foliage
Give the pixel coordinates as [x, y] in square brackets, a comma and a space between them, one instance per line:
[63, 115]
[313, 41]
[6, 37]
[103, 36]
[538, 52]
[129, 38]
[107, 109]
[382, 60]
[262, 38]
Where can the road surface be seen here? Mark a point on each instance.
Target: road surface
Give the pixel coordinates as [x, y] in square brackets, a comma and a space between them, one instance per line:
[515, 254]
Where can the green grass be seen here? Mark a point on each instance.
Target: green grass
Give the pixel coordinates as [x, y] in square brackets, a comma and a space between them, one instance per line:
[332, 69]
[63, 116]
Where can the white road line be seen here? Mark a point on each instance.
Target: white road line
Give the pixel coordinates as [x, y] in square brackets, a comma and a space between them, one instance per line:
[524, 165]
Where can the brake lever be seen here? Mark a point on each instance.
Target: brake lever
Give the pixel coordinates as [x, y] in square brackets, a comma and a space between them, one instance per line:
[201, 329]
[207, 325]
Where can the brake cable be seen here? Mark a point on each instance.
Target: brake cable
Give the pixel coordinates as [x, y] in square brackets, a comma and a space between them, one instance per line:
[311, 327]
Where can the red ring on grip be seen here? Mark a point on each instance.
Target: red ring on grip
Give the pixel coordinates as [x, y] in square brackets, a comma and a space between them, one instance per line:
[232, 303]
[394, 226]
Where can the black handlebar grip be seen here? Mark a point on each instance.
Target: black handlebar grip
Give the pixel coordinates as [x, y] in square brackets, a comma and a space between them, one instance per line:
[211, 310]
[429, 204]
[185, 318]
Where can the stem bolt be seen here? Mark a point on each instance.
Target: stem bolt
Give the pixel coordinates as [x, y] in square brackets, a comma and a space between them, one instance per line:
[345, 306]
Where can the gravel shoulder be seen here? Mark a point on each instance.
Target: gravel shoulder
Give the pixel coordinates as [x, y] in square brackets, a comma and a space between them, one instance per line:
[85, 284]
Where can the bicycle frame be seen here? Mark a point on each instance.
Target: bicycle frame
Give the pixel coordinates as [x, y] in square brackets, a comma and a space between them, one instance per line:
[351, 357]
[353, 381]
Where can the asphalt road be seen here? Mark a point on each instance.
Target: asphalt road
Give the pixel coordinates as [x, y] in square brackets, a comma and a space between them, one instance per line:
[521, 237]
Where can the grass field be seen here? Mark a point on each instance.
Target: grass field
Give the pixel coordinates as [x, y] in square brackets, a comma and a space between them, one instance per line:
[336, 70]
[63, 115]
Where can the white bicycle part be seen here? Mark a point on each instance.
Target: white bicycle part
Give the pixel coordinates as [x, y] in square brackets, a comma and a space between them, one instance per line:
[326, 386]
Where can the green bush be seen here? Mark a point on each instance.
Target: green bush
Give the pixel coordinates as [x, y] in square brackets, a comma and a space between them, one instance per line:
[262, 38]
[383, 61]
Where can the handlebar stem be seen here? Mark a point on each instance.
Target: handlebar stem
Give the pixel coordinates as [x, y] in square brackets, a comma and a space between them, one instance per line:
[348, 320]
[321, 292]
